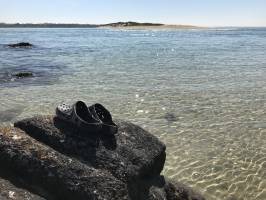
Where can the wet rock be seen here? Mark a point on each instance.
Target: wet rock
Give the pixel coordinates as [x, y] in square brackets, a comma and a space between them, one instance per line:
[6, 76]
[23, 74]
[60, 176]
[20, 45]
[32, 75]
[179, 191]
[159, 188]
[131, 153]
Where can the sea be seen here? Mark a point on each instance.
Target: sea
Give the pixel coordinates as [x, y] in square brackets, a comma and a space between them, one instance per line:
[201, 91]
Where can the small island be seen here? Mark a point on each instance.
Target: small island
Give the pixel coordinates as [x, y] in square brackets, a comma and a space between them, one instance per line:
[136, 25]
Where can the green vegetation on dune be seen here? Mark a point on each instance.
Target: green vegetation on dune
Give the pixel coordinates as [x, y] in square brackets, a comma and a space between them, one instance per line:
[125, 24]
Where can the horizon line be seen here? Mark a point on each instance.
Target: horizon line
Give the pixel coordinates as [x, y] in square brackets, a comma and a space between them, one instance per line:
[100, 24]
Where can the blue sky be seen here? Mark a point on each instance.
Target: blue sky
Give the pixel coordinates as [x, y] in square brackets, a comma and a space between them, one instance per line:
[194, 12]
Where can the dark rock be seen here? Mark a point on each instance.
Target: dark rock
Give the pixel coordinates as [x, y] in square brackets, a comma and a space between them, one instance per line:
[130, 154]
[30, 75]
[8, 191]
[179, 191]
[23, 74]
[20, 45]
[60, 176]
[159, 188]
[11, 77]
[54, 160]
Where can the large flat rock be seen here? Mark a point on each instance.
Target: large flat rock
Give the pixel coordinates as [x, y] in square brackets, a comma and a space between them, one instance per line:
[130, 154]
[49, 159]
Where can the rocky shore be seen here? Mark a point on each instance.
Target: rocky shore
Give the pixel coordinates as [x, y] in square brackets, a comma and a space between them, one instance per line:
[45, 158]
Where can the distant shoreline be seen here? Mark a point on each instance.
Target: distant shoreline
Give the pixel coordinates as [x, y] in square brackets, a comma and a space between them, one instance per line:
[118, 25]
[47, 25]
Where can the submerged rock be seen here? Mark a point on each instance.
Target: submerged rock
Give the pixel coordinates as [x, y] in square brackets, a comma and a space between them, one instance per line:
[56, 162]
[10, 114]
[170, 117]
[160, 188]
[20, 45]
[7, 76]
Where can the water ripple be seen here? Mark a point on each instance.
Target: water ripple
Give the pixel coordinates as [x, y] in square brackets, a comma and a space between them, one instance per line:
[201, 92]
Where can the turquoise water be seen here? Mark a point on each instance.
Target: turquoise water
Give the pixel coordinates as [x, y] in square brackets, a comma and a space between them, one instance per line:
[202, 92]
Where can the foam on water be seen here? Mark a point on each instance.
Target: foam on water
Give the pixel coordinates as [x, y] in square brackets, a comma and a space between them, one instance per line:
[201, 92]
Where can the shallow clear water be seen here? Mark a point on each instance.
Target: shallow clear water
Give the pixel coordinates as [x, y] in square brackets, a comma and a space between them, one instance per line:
[203, 92]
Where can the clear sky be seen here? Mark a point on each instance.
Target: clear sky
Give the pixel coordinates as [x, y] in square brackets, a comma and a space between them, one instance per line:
[193, 12]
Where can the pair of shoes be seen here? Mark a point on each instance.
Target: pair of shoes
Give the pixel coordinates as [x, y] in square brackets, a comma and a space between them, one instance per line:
[95, 118]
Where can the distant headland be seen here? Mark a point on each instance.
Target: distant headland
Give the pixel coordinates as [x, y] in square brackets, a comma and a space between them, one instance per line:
[119, 25]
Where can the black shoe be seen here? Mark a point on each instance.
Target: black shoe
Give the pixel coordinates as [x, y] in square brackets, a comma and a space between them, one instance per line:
[79, 115]
[100, 113]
